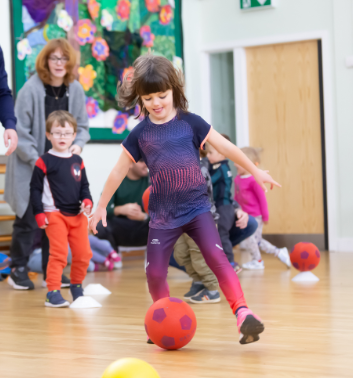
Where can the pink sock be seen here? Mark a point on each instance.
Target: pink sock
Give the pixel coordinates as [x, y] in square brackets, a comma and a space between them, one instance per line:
[109, 264]
[114, 256]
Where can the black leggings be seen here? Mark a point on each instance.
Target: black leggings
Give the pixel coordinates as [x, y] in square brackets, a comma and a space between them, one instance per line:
[23, 235]
[121, 231]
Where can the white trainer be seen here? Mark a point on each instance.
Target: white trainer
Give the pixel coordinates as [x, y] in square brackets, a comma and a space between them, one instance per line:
[283, 255]
[254, 265]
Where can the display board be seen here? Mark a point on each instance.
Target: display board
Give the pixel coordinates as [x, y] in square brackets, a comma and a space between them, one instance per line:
[108, 36]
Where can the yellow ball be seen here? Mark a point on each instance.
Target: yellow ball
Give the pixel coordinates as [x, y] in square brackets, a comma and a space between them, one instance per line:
[130, 368]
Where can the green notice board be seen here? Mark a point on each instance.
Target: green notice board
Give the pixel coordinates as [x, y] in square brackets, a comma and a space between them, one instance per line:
[257, 4]
[108, 36]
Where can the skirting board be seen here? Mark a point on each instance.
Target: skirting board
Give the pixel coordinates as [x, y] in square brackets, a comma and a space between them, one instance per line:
[344, 245]
[133, 255]
[289, 240]
[3, 159]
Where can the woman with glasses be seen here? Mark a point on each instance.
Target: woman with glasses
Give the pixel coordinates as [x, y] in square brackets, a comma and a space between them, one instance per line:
[52, 88]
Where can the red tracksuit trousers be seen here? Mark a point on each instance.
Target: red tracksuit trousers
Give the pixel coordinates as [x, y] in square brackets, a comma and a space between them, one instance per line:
[64, 230]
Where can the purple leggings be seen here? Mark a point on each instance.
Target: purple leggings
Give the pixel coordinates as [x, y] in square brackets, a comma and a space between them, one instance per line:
[205, 234]
[100, 249]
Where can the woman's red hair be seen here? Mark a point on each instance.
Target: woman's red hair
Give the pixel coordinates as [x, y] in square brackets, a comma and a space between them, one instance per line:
[42, 66]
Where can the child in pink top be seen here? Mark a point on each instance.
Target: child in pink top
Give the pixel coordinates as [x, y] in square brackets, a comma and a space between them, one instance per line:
[252, 200]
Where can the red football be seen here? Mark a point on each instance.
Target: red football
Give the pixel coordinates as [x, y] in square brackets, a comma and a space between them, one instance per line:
[305, 256]
[170, 323]
[146, 199]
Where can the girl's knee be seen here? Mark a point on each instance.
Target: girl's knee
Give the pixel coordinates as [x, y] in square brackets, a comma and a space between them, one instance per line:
[216, 260]
[155, 275]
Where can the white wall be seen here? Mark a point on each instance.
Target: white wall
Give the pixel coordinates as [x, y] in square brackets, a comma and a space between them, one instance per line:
[5, 40]
[5, 43]
[216, 22]
[99, 160]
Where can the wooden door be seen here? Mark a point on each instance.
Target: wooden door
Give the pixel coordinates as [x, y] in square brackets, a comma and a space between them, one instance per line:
[284, 120]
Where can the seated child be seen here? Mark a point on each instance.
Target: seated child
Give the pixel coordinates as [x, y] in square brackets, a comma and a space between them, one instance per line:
[104, 256]
[60, 198]
[204, 288]
[252, 200]
[35, 265]
[221, 177]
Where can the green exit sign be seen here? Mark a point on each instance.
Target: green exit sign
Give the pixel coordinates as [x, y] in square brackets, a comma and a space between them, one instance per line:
[257, 4]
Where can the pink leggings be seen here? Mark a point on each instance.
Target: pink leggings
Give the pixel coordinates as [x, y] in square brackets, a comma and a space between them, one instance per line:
[203, 231]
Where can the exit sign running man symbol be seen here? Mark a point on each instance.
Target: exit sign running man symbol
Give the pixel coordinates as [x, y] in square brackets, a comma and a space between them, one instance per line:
[257, 4]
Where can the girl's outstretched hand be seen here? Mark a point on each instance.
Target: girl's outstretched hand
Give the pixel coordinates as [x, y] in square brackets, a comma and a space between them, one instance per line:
[262, 177]
[99, 214]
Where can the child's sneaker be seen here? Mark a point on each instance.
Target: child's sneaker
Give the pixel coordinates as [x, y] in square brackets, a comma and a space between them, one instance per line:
[116, 258]
[195, 289]
[237, 268]
[283, 255]
[54, 299]
[109, 264]
[249, 326]
[19, 279]
[76, 291]
[254, 265]
[206, 297]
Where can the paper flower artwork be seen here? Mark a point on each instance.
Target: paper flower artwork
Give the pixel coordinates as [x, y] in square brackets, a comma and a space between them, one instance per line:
[87, 76]
[165, 15]
[53, 31]
[120, 123]
[127, 72]
[147, 36]
[100, 49]
[178, 63]
[92, 107]
[153, 5]
[65, 21]
[93, 8]
[123, 9]
[107, 20]
[84, 31]
[23, 49]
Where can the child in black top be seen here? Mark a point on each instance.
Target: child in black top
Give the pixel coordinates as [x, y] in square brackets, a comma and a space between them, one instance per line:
[221, 176]
[60, 196]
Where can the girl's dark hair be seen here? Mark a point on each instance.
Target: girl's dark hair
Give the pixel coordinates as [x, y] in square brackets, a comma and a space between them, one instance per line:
[151, 74]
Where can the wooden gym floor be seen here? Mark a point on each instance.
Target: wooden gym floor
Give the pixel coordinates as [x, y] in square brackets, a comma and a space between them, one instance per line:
[309, 329]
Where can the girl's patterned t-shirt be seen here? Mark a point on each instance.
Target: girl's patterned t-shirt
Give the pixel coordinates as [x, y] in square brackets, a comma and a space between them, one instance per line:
[171, 152]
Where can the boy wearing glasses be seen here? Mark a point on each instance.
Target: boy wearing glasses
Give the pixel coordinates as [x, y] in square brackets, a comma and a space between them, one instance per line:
[60, 197]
